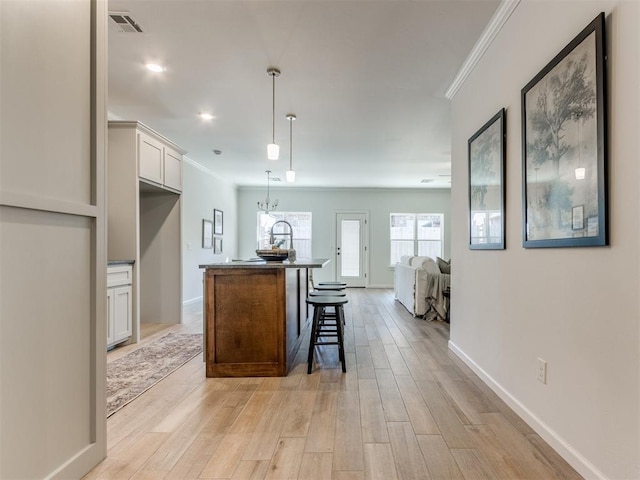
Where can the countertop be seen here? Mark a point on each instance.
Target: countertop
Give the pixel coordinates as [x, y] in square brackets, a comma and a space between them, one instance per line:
[120, 262]
[302, 263]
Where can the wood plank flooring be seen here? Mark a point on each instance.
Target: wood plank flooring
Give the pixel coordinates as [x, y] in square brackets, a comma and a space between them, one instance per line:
[405, 409]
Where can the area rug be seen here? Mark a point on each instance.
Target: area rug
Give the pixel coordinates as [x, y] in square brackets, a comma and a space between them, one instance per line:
[138, 371]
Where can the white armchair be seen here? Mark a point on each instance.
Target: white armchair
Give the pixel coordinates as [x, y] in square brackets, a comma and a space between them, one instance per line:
[419, 286]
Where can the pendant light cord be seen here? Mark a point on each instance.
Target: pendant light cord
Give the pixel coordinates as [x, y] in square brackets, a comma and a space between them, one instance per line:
[273, 108]
[291, 143]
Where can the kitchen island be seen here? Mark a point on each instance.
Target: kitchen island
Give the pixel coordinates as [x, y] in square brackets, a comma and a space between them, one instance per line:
[254, 316]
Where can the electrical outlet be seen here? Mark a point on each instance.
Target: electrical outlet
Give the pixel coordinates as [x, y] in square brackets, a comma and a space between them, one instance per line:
[542, 371]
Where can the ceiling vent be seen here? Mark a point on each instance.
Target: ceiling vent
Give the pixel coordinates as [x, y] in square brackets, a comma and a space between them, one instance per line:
[125, 23]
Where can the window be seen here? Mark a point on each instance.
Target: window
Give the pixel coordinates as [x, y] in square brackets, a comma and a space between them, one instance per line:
[416, 234]
[301, 223]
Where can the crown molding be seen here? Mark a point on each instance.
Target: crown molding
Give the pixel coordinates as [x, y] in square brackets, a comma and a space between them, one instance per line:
[207, 170]
[500, 17]
[284, 189]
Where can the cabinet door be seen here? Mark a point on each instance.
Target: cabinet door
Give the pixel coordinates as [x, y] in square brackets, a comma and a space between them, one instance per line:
[172, 169]
[110, 314]
[122, 313]
[150, 153]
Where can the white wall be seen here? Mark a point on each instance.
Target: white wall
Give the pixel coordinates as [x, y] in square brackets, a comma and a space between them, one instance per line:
[324, 203]
[202, 191]
[577, 308]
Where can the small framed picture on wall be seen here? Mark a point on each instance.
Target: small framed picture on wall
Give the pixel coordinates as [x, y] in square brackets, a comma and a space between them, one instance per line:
[207, 233]
[217, 244]
[217, 222]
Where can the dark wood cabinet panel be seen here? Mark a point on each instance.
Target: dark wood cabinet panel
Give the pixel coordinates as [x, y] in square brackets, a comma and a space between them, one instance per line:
[254, 320]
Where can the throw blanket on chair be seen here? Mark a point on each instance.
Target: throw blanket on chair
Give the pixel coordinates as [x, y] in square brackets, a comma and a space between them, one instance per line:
[436, 302]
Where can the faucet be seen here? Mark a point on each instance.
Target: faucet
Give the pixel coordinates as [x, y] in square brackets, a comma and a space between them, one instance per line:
[273, 235]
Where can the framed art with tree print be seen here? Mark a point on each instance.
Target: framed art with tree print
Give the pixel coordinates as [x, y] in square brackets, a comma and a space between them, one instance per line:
[564, 147]
[486, 185]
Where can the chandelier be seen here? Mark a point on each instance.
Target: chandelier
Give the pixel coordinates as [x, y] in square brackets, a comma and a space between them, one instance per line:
[268, 206]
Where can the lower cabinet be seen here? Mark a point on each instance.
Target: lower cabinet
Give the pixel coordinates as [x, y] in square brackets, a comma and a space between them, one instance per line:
[119, 304]
[255, 319]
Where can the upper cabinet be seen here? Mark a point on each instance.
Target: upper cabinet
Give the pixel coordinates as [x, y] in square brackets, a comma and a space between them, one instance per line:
[172, 169]
[159, 161]
[150, 158]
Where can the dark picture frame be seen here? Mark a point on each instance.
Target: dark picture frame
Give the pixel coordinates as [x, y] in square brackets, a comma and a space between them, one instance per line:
[564, 146]
[217, 244]
[487, 155]
[218, 222]
[207, 233]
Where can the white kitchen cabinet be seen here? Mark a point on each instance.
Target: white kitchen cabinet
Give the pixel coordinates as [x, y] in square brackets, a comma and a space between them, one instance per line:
[121, 314]
[119, 304]
[172, 169]
[144, 186]
[110, 313]
[150, 158]
[158, 159]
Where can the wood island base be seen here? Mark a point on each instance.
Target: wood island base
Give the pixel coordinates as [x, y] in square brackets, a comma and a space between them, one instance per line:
[255, 317]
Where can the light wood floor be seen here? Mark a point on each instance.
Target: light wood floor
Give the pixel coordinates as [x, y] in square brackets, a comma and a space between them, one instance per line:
[406, 408]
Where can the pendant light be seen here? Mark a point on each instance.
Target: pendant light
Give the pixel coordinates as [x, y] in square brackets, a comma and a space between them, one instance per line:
[268, 206]
[291, 175]
[273, 150]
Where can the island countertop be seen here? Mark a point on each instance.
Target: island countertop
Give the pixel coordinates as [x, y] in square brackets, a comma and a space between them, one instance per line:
[302, 263]
[112, 263]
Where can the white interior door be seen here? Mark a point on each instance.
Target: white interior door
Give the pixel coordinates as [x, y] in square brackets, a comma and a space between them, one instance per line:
[351, 248]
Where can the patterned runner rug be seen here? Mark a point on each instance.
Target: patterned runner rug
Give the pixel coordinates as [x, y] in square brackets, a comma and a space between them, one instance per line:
[136, 372]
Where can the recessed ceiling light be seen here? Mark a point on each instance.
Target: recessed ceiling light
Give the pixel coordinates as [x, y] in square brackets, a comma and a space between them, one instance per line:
[154, 67]
[206, 116]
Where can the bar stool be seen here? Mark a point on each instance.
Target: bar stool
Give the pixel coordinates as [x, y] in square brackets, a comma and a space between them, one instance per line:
[326, 289]
[333, 284]
[324, 325]
[325, 285]
[327, 293]
[321, 287]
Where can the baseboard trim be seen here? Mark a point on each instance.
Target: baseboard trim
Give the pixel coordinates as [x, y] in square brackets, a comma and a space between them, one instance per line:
[192, 301]
[566, 451]
[379, 286]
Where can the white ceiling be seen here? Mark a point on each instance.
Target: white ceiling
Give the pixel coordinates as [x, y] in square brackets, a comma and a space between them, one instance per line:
[366, 80]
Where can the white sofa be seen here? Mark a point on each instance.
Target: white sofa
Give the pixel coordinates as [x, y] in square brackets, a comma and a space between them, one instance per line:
[418, 286]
